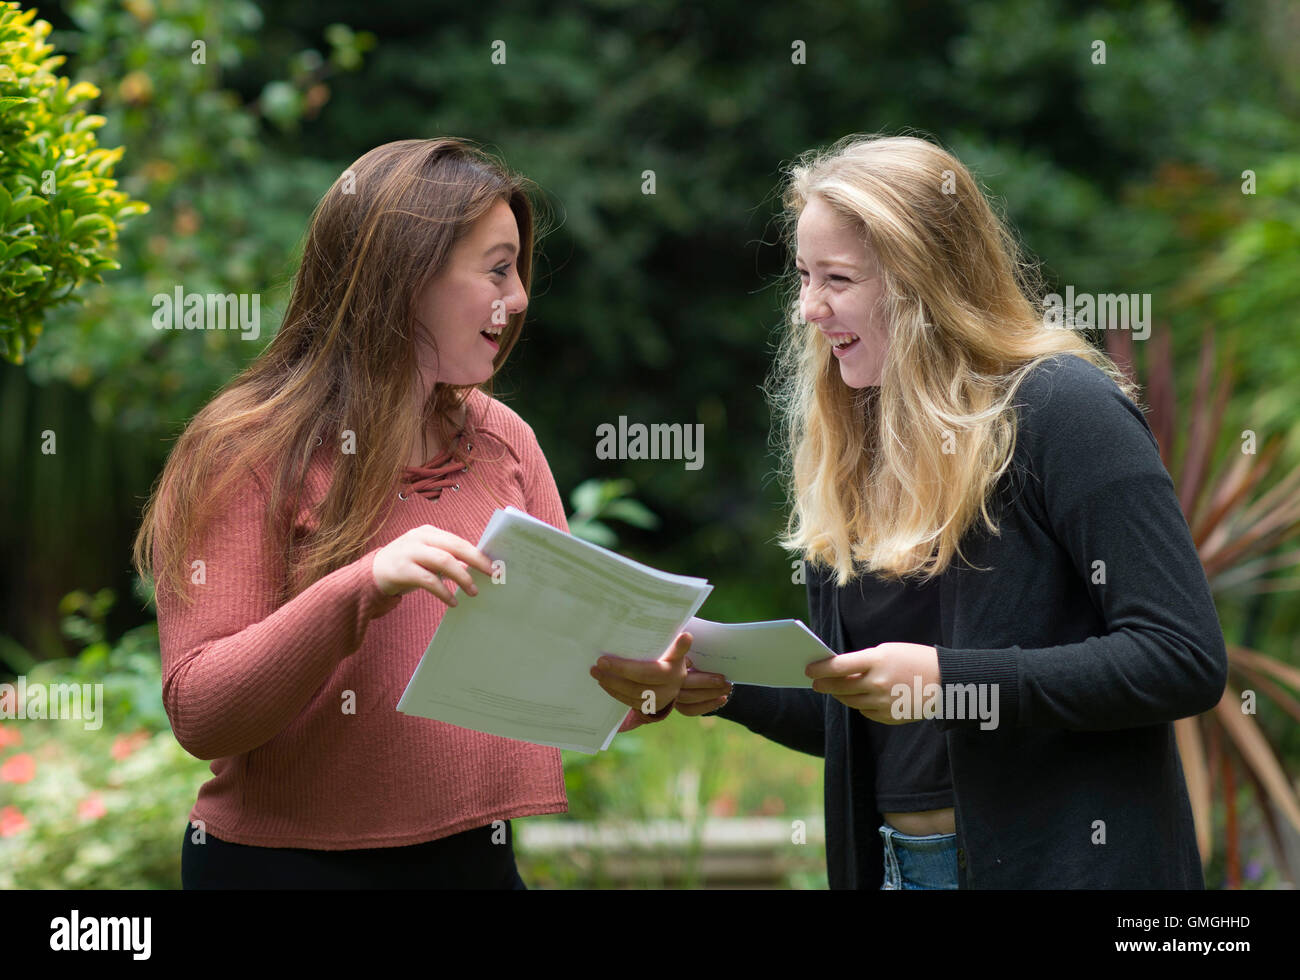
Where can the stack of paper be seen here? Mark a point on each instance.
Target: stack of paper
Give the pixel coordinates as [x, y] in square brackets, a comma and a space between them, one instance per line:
[771, 654]
[514, 659]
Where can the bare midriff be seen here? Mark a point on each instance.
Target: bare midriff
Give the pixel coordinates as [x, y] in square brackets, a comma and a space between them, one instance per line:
[923, 823]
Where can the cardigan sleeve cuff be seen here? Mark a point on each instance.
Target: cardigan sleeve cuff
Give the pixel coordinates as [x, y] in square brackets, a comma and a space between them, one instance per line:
[981, 688]
[739, 707]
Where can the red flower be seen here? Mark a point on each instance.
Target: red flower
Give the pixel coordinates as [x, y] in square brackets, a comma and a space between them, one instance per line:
[92, 807]
[124, 745]
[723, 805]
[10, 735]
[12, 821]
[20, 769]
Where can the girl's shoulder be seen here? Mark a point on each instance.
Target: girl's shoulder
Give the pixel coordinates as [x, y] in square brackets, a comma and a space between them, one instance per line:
[1066, 396]
[1078, 433]
[1064, 376]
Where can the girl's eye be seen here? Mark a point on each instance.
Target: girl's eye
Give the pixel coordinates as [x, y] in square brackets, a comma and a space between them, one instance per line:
[501, 270]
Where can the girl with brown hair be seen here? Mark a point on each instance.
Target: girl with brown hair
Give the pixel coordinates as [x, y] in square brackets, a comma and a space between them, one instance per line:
[313, 523]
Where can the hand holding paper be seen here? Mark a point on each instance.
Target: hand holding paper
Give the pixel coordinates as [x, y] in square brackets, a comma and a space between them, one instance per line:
[647, 686]
[517, 660]
[768, 654]
[422, 558]
[701, 693]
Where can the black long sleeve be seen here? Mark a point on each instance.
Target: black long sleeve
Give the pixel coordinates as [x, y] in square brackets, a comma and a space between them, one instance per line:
[1101, 491]
[793, 717]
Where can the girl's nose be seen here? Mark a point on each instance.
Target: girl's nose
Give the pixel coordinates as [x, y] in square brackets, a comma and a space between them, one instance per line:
[811, 307]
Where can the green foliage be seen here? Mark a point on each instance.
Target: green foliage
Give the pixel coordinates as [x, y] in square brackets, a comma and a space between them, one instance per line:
[59, 206]
[598, 501]
[103, 809]
[229, 209]
[128, 670]
[682, 769]
[1123, 176]
[96, 807]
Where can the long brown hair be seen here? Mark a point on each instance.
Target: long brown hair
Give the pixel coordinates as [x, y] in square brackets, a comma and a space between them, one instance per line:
[343, 359]
[872, 474]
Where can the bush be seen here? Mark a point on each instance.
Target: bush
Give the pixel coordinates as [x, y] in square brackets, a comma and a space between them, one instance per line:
[59, 210]
[96, 807]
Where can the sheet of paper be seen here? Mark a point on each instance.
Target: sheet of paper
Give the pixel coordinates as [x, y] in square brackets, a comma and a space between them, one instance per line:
[770, 654]
[514, 659]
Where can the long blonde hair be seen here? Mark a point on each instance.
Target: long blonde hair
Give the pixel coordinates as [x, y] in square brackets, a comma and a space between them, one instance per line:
[866, 470]
[344, 358]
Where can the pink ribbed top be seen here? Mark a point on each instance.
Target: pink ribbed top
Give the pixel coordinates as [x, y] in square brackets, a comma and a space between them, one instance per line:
[296, 705]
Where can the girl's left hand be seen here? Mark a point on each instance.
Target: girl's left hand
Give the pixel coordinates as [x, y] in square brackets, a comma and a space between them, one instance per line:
[649, 686]
[866, 679]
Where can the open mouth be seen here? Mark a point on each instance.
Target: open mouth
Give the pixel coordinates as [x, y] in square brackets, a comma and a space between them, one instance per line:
[491, 338]
[844, 344]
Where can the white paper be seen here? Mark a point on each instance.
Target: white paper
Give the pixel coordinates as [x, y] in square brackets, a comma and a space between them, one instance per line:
[514, 660]
[769, 654]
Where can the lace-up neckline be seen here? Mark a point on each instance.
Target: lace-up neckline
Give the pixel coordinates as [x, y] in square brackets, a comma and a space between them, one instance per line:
[439, 473]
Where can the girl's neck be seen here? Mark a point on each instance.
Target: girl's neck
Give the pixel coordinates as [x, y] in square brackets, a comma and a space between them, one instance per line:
[429, 445]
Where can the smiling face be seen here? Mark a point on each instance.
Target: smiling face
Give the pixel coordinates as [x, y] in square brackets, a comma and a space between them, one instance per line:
[479, 283]
[840, 292]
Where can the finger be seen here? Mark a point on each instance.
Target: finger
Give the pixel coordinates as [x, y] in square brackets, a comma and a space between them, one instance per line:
[677, 652]
[462, 549]
[864, 702]
[633, 695]
[628, 691]
[703, 686]
[858, 662]
[703, 708]
[701, 697]
[638, 671]
[446, 566]
[430, 582]
[618, 696]
[882, 715]
[844, 685]
[705, 682]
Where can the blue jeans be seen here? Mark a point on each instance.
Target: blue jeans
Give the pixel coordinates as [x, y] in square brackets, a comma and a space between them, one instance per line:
[914, 863]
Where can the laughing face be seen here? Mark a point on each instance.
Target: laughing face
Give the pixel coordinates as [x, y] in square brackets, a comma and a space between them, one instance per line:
[840, 292]
[480, 284]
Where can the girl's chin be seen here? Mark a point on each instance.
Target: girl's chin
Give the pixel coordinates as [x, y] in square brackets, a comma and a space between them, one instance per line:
[461, 379]
[857, 379]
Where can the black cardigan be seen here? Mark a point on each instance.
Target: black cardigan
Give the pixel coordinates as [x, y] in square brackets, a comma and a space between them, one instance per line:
[1096, 622]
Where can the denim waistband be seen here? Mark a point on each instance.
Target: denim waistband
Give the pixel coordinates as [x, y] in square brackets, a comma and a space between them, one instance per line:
[914, 863]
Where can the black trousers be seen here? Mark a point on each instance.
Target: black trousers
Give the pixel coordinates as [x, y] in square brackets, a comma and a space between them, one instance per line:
[464, 860]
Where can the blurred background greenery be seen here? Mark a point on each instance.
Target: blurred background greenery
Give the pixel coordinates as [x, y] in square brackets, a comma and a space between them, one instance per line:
[1125, 176]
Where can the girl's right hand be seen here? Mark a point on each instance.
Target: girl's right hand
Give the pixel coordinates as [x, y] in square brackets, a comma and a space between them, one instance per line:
[424, 556]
